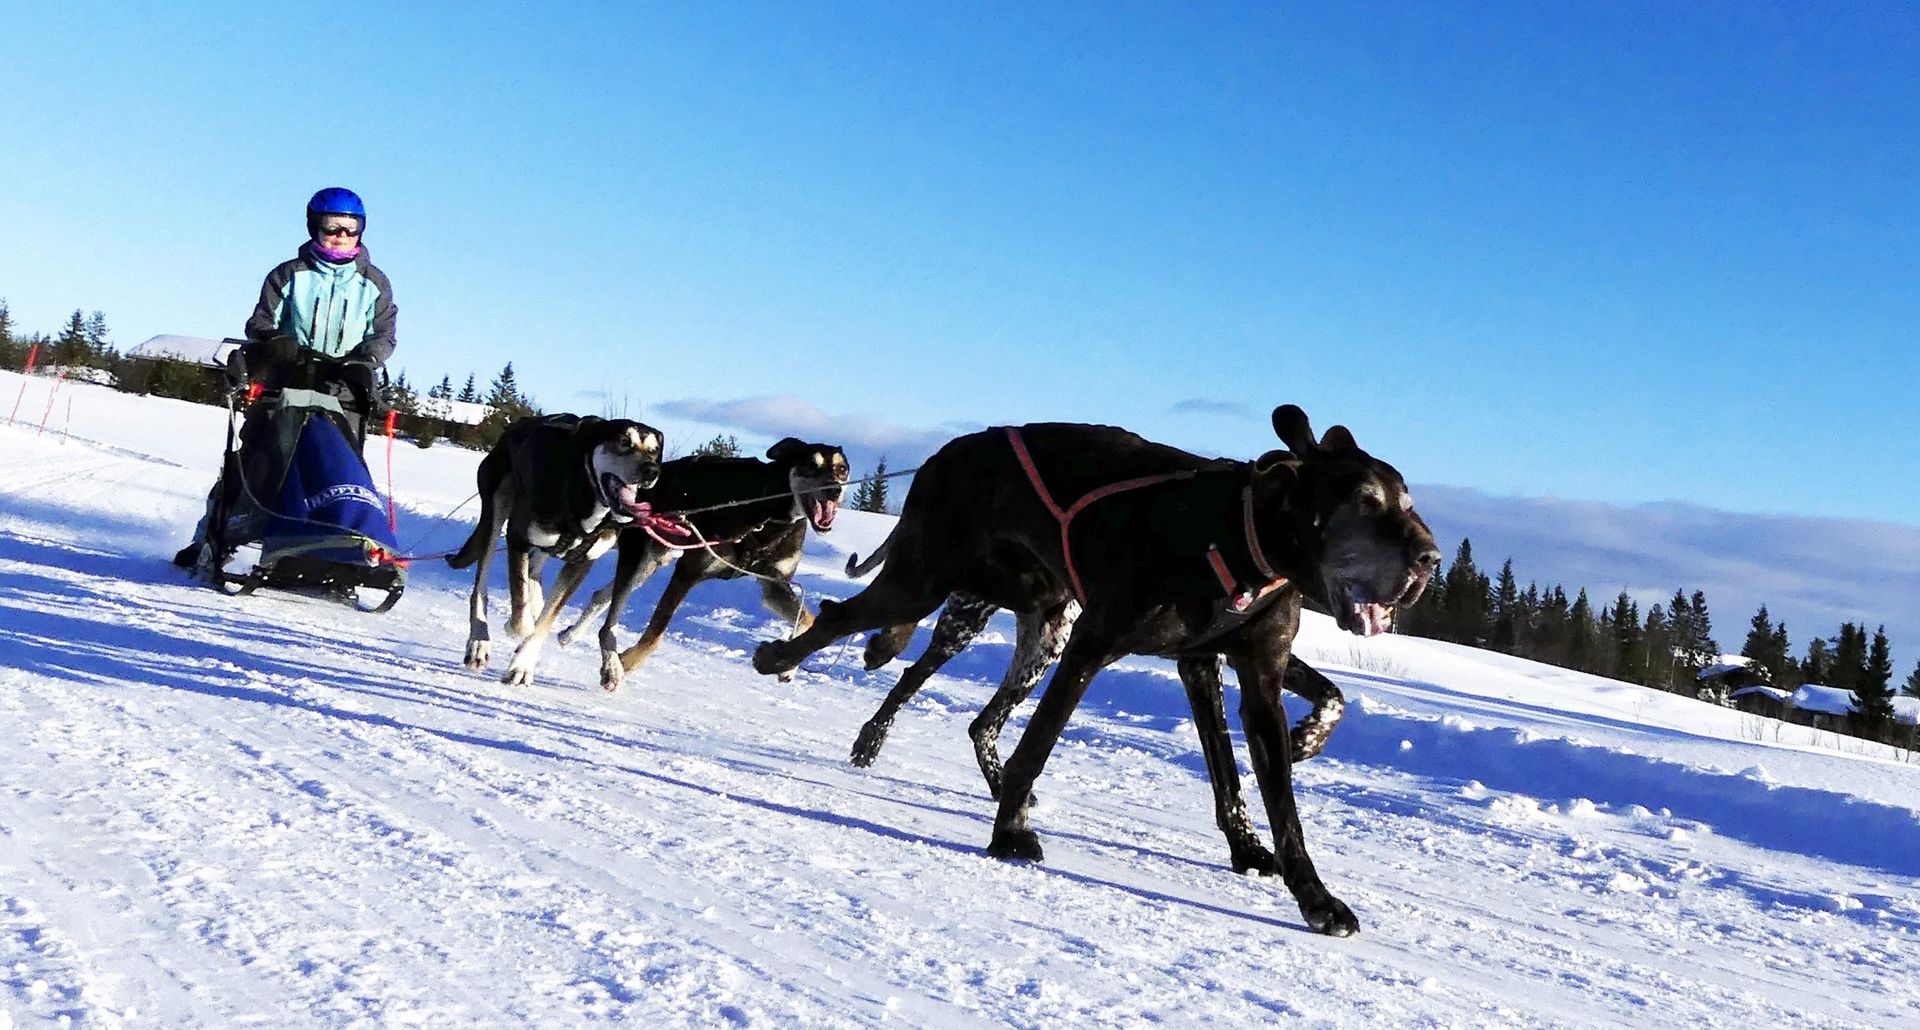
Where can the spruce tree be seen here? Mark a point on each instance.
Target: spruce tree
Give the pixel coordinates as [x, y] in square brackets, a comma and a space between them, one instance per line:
[1759, 643]
[468, 393]
[1467, 600]
[1658, 668]
[871, 494]
[1704, 649]
[723, 445]
[1627, 640]
[12, 355]
[1817, 667]
[1581, 634]
[1849, 657]
[1788, 676]
[444, 391]
[1912, 687]
[70, 347]
[1873, 694]
[1506, 600]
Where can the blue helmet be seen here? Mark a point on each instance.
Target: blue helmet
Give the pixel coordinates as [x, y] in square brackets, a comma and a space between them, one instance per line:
[335, 200]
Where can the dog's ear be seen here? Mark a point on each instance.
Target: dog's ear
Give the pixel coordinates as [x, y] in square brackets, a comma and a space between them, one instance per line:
[1291, 426]
[789, 449]
[1338, 439]
[1269, 461]
[1277, 468]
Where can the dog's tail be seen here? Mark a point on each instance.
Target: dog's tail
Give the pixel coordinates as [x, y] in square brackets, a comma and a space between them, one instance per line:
[857, 568]
[475, 546]
[490, 476]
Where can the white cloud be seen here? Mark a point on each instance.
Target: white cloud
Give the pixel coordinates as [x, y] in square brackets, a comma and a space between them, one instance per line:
[865, 439]
[1813, 573]
[1203, 406]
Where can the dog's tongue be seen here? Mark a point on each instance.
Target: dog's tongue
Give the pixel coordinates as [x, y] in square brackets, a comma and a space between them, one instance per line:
[823, 514]
[628, 496]
[1373, 619]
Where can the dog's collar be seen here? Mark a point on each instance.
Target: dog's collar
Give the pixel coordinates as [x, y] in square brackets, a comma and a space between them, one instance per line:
[1241, 595]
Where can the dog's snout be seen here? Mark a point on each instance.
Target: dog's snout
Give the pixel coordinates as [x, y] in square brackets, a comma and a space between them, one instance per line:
[649, 475]
[1427, 557]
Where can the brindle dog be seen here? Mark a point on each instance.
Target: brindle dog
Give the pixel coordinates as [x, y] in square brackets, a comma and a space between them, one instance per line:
[1037, 645]
[558, 485]
[754, 513]
[1150, 566]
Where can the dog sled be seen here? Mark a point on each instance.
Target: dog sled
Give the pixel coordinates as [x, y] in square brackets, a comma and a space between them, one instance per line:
[293, 480]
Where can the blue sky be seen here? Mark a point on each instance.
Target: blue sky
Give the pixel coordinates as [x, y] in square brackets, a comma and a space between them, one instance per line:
[1622, 253]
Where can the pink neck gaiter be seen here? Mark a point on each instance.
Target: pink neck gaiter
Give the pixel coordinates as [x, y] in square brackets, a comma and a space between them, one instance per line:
[336, 256]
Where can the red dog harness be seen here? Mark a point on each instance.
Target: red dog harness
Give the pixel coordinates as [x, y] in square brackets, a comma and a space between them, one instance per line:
[1239, 598]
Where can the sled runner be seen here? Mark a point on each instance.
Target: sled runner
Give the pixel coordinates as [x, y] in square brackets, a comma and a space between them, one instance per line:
[293, 479]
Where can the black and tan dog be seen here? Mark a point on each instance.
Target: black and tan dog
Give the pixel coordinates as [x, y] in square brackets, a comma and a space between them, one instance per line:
[1168, 554]
[748, 517]
[561, 485]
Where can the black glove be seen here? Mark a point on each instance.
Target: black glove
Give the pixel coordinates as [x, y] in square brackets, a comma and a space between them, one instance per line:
[280, 352]
[236, 368]
[357, 376]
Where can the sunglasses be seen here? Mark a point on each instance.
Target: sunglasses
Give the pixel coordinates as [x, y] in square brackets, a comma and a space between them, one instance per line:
[339, 230]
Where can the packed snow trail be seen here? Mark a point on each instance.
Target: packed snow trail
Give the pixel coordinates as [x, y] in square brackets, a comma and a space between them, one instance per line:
[276, 810]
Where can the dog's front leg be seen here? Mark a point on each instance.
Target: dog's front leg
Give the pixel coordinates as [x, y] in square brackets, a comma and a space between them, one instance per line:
[523, 590]
[1087, 653]
[1309, 737]
[637, 562]
[689, 570]
[1201, 677]
[782, 598]
[520, 673]
[1265, 721]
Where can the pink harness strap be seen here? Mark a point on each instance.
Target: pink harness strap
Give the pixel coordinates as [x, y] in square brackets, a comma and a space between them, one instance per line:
[1240, 599]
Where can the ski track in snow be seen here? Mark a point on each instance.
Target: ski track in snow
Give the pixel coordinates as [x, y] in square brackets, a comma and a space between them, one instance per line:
[276, 811]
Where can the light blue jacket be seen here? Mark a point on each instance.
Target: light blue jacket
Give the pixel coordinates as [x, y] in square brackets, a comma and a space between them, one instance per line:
[342, 310]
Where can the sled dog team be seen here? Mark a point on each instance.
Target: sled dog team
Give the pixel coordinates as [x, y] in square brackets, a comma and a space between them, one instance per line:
[1101, 543]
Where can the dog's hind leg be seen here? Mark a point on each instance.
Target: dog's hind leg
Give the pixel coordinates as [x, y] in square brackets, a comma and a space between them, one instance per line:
[479, 552]
[1309, 738]
[520, 672]
[897, 597]
[962, 620]
[1038, 645]
[1265, 722]
[692, 567]
[887, 644]
[1201, 677]
[1091, 649]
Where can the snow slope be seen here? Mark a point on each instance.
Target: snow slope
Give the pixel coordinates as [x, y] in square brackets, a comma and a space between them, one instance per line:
[277, 811]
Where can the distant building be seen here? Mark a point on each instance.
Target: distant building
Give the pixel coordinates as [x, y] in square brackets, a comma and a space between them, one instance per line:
[1830, 708]
[1771, 702]
[1725, 675]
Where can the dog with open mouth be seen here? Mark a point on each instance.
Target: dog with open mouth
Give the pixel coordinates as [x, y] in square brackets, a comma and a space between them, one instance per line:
[740, 516]
[1166, 553]
[561, 486]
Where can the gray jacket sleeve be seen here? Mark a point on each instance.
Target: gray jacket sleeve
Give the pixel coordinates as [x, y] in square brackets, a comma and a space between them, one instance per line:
[379, 342]
[265, 323]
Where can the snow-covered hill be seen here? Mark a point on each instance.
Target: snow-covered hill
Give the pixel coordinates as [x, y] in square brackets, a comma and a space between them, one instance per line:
[276, 811]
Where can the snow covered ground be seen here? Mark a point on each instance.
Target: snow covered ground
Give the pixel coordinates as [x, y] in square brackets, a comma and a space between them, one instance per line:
[276, 811]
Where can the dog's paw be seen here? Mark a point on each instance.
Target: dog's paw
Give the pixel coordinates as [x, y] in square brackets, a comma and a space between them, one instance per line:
[478, 652]
[612, 671]
[784, 677]
[1016, 846]
[1331, 916]
[517, 676]
[770, 659]
[866, 747]
[1254, 859]
[568, 635]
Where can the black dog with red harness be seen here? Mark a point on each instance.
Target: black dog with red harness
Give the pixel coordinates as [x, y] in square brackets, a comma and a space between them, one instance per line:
[1182, 564]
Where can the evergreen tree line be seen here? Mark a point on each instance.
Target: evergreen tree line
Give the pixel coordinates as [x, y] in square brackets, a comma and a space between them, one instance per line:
[1664, 647]
[86, 342]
